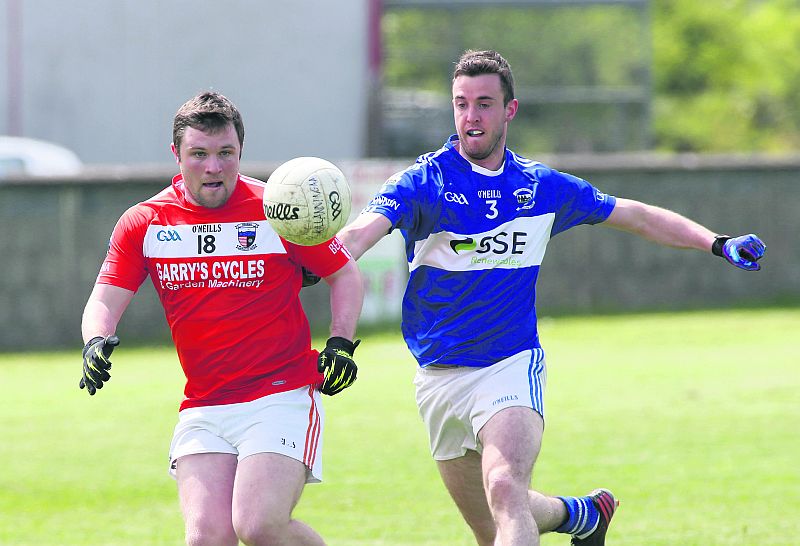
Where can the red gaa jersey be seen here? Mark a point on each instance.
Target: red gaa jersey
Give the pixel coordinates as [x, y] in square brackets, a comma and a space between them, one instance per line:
[229, 286]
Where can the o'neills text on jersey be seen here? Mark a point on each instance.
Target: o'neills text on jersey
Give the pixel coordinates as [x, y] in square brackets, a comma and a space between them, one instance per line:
[207, 228]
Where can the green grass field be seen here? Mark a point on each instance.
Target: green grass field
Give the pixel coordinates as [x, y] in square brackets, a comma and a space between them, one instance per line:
[693, 420]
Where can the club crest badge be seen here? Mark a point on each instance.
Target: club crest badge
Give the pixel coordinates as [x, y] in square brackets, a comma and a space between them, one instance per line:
[246, 234]
[525, 197]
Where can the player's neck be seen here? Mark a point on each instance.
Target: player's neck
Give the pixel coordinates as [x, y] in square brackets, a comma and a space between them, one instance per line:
[493, 162]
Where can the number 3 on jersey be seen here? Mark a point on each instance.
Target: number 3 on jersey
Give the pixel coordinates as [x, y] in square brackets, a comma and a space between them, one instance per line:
[492, 208]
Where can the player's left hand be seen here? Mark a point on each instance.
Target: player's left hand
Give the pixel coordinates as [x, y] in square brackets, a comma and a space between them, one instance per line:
[96, 362]
[337, 366]
[743, 251]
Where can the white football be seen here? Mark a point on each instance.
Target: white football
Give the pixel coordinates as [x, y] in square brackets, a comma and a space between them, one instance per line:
[307, 200]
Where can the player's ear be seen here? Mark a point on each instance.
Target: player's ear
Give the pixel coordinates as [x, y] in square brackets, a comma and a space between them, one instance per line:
[511, 109]
[175, 152]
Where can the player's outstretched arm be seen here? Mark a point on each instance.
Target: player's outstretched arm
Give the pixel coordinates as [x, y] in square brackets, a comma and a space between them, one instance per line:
[659, 225]
[100, 318]
[362, 234]
[669, 228]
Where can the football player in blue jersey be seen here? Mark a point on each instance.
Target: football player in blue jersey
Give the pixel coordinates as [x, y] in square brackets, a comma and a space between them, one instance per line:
[476, 219]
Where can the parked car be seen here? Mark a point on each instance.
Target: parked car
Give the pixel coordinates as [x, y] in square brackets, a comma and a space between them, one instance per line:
[21, 156]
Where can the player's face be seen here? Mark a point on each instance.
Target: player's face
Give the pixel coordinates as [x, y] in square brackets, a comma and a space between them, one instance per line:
[209, 164]
[482, 119]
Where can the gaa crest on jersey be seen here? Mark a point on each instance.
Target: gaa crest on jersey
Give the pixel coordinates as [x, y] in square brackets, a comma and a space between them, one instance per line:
[246, 233]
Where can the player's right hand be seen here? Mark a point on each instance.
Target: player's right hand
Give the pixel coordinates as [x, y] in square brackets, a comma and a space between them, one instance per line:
[96, 362]
[742, 252]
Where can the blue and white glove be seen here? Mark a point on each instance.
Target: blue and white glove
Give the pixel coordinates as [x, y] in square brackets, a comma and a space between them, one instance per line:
[743, 251]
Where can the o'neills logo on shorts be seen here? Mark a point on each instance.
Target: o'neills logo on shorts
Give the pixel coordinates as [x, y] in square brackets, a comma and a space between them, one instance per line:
[504, 399]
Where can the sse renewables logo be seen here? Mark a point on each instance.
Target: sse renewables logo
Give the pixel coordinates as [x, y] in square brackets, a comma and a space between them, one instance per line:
[499, 249]
[515, 244]
[498, 243]
[465, 245]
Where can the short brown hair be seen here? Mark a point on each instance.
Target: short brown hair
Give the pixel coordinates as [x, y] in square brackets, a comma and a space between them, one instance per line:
[475, 63]
[208, 112]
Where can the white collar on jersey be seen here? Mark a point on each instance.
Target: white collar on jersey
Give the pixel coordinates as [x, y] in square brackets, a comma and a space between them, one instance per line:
[486, 172]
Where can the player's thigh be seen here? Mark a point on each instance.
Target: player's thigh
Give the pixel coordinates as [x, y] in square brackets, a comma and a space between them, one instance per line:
[267, 488]
[464, 481]
[512, 439]
[288, 423]
[205, 487]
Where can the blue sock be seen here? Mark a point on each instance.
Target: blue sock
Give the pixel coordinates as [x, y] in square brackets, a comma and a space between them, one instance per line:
[582, 516]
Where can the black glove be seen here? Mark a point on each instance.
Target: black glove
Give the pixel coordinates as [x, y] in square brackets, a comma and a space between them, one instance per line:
[337, 366]
[96, 363]
[309, 279]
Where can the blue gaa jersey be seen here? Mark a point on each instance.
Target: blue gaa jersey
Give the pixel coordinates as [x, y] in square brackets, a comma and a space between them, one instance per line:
[475, 240]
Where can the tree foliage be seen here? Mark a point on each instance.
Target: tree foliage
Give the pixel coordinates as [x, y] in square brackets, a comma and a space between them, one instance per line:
[708, 76]
[727, 75]
[577, 71]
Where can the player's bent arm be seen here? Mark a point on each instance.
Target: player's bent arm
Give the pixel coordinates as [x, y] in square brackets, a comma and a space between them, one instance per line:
[103, 310]
[659, 225]
[362, 234]
[347, 297]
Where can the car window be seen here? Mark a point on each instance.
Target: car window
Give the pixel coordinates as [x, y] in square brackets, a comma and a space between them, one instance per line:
[20, 156]
[11, 166]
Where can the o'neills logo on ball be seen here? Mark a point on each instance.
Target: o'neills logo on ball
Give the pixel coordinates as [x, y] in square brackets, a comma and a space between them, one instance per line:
[282, 211]
[317, 205]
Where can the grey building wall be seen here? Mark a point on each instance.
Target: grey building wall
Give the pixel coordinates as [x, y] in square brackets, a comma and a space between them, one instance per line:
[54, 235]
[105, 78]
[596, 269]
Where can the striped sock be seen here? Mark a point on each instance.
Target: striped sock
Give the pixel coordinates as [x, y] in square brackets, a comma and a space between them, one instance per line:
[582, 517]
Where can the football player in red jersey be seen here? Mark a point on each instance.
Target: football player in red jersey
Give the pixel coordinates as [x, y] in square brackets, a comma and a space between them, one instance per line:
[249, 432]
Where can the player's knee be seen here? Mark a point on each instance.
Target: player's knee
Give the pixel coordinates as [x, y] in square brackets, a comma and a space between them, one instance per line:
[210, 535]
[503, 489]
[260, 532]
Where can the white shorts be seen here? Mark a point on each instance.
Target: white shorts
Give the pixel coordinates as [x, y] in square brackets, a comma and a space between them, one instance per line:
[289, 423]
[456, 402]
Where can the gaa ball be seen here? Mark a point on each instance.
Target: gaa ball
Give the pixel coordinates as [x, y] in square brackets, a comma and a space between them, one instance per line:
[307, 200]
